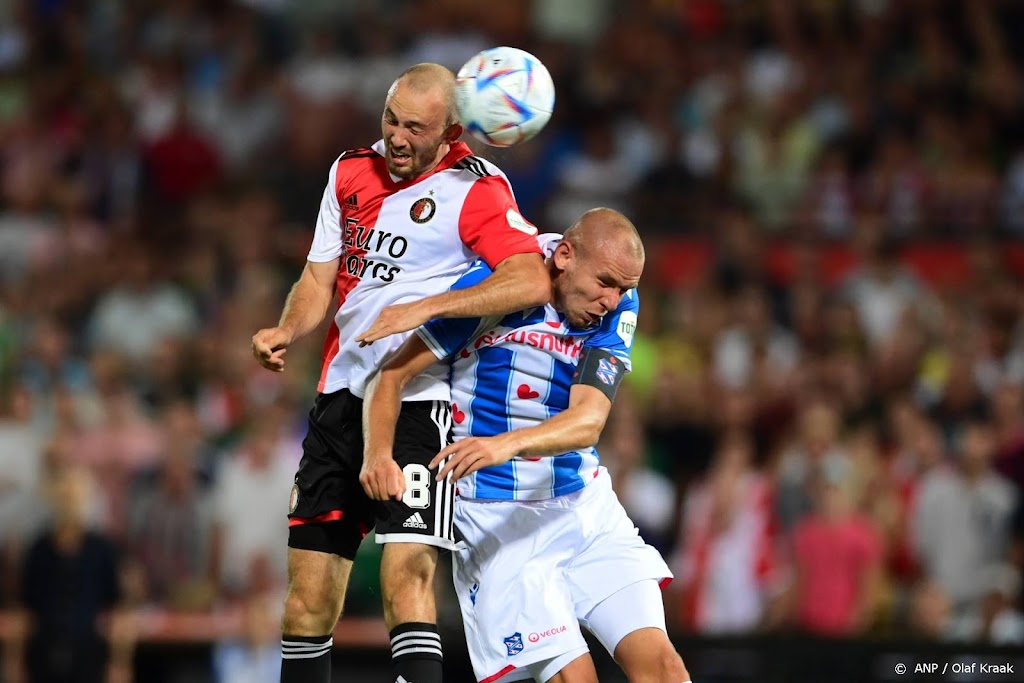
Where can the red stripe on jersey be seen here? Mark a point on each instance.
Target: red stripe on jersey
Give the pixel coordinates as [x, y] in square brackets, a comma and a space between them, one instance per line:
[360, 175]
[332, 516]
[484, 224]
[331, 345]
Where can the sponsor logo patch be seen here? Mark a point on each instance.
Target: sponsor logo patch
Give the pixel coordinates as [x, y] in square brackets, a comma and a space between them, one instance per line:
[537, 636]
[626, 328]
[514, 644]
[519, 223]
[415, 521]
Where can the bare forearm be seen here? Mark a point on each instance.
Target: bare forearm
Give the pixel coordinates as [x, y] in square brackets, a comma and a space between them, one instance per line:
[563, 433]
[305, 307]
[513, 287]
[381, 405]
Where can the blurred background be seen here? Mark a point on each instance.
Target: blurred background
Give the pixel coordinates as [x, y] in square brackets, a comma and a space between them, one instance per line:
[824, 433]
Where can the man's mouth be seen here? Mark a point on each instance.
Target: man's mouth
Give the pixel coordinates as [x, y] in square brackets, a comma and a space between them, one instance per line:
[400, 158]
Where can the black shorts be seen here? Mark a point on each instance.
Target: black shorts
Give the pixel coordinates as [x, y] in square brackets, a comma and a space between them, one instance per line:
[330, 512]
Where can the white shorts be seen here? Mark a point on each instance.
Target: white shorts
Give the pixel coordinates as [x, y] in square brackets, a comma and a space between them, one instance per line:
[529, 571]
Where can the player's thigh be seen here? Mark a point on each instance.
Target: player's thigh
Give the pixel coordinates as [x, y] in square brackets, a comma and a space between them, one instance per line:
[613, 555]
[424, 515]
[630, 624]
[329, 512]
[317, 583]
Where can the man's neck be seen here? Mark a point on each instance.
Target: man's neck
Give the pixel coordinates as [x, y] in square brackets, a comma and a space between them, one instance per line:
[442, 152]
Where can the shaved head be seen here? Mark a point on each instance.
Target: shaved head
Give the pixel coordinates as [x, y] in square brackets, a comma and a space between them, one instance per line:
[604, 230]
[599, 259]
[426, 77]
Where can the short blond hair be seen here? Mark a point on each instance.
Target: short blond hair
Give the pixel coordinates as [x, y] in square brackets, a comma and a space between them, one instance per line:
[604, 228]
[428, 76]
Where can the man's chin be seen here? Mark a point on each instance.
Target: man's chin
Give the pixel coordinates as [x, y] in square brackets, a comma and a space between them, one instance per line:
[403, 172]
[578, 322]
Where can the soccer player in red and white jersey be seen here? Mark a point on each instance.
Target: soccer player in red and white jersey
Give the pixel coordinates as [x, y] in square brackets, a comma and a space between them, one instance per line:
[399, 222]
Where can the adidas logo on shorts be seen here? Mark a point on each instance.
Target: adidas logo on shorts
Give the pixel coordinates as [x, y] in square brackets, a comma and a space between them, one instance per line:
[415, 522]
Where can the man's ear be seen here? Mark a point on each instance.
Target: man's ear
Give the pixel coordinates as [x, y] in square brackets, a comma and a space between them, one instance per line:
[562, 255]
[453, 132]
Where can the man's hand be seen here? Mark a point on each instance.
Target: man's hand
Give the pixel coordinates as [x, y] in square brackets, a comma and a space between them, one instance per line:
[269, 346]
[471, 454]
[382, 478]
[395, 319]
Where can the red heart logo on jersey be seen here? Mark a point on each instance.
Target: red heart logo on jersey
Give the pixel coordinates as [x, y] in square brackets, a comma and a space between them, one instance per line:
[532, 459]
[457, 414]
[554, 323]
[464, 353]
[526, 392]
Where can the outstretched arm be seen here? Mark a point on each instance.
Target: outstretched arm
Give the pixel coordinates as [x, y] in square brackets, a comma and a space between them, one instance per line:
[304, 310]
[380, 475]
[576, 427]
[519, 282]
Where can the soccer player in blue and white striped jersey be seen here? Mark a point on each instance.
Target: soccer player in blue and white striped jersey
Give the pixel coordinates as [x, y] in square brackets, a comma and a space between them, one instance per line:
[546, 545]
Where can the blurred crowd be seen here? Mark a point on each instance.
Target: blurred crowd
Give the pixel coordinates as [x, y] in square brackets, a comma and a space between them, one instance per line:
[835, 457]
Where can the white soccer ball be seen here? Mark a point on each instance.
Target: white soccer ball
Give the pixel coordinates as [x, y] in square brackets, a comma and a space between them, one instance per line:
[504, 95]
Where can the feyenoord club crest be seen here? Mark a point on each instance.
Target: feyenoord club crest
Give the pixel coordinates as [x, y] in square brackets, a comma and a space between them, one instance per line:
[422, 210]
[293, 499]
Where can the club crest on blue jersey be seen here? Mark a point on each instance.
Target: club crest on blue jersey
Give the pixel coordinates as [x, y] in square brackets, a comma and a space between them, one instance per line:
[607, 370]
[514, 644]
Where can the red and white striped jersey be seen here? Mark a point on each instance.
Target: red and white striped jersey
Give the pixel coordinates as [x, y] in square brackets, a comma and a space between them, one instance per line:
[402, 240]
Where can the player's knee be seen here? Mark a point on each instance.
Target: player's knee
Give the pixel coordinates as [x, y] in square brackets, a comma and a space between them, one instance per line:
[672, 667]
[309, 612]
[665, 667]
[408, 566]
[648, 656]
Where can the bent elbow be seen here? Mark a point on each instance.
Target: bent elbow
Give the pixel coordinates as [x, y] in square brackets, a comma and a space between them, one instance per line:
[590, 434]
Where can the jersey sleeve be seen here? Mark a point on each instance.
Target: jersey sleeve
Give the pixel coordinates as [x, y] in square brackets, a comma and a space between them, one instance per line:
[447, 336]
[490, 223]
[327, 238]
[615, 334]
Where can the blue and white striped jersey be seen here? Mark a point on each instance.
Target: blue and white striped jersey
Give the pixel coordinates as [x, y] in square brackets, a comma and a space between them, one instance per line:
[515, 372]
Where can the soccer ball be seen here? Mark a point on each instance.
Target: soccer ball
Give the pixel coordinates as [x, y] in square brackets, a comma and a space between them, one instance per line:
[504, 96]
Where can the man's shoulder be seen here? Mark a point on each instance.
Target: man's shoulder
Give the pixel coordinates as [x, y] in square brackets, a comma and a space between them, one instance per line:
[353, 163]
[477, 167]
[358, 153]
